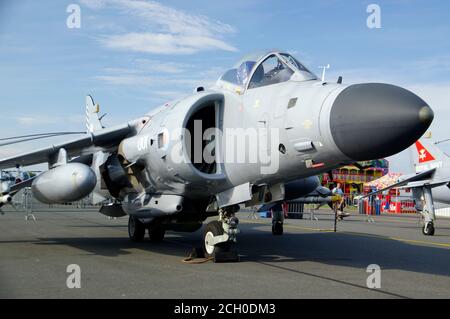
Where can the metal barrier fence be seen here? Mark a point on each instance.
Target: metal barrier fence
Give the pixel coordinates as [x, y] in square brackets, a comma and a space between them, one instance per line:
[25, 201]
[381, 204]
[387, 204]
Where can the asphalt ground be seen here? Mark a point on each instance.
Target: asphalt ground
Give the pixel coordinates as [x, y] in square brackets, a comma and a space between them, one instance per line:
[308, 261]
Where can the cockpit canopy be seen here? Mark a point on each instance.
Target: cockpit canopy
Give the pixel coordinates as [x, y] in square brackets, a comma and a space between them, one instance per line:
[260, 70]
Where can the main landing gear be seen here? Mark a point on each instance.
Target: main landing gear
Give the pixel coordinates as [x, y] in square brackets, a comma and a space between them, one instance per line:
[428, 212]
[136, 230]
[219, 238]
[277, 223]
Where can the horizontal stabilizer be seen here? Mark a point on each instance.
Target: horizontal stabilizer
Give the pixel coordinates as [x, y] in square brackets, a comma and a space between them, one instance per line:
[430, 183]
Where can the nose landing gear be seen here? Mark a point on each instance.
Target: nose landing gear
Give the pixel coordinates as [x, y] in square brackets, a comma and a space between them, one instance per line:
[219, 238]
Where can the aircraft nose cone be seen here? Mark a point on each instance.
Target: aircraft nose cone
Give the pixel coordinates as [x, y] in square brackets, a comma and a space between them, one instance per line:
[372, 121]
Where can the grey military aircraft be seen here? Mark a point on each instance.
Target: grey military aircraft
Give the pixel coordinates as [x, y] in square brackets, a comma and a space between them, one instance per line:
[260, 135]
[7, 180]
[430, 184]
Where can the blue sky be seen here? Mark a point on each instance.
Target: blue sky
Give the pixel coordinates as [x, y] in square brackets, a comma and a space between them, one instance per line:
[135, 55]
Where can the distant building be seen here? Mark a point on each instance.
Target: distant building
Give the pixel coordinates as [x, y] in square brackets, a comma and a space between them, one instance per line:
[353, 178]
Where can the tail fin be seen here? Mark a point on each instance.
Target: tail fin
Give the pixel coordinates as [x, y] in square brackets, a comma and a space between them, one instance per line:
[92, 120]
[427, 155]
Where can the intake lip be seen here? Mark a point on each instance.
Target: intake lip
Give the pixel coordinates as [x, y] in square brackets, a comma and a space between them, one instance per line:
[374, 120]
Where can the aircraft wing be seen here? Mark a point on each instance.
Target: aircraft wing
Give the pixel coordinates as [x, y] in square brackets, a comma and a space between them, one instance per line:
[431, 183]
[108, 137]
[419, 180]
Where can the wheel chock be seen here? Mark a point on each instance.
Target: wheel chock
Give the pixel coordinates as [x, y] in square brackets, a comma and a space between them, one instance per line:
[226, 257]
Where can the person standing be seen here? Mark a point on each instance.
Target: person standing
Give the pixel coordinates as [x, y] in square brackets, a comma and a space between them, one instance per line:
[338, 191]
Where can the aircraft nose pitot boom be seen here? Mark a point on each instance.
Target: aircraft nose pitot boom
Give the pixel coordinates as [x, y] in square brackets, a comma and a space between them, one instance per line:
[370, 121]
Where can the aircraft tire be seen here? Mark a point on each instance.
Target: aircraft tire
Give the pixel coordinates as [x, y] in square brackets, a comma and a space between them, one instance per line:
[136, 229]
[428, 229]
[277, 229]
[213, 229]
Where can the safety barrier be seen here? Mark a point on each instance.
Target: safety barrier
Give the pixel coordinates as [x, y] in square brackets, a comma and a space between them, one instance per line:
[25, 201]
[387, 204]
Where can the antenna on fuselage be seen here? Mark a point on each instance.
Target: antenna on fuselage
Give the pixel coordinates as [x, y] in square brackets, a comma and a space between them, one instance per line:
[324, 69]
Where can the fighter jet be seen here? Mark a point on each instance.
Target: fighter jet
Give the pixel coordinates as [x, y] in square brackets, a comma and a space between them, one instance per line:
[429, 184]
[8, 179]
[267, 122]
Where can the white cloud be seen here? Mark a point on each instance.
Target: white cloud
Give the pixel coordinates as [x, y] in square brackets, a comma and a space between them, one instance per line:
[161, 43]
[172, 20]
[151, 66]
[171, 31]
[93, 4]
[161, 77]
[162, 67]
[131, 80]
[35, 120]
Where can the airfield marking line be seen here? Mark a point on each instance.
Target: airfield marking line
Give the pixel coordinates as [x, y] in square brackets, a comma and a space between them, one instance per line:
[389, 220]
[420, 242]
[310, 229]
[385, 219]
[412, 241]
[291, 226]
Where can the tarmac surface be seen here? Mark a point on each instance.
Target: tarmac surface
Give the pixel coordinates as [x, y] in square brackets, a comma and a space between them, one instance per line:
[308, 261]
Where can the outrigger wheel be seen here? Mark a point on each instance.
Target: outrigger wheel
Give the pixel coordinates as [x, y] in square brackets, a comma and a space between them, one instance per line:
[277, 222]
[428, 229]
[277, 228]
[136, 229]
